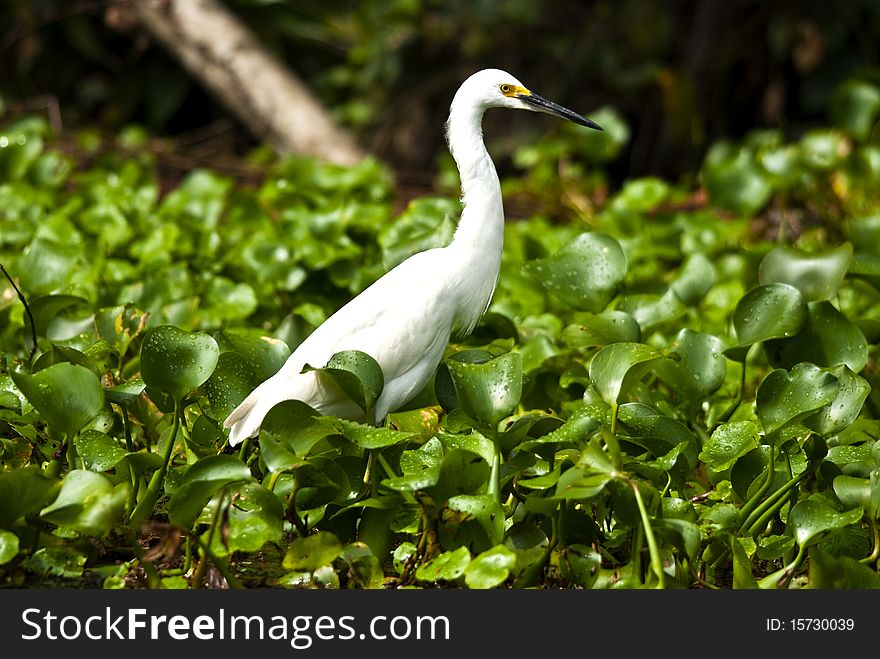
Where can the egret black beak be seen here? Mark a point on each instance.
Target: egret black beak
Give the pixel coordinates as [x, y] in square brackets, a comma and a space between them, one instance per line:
[541, 104]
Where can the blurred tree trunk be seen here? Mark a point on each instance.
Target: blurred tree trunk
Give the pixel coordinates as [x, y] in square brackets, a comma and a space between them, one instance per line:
[225, 56]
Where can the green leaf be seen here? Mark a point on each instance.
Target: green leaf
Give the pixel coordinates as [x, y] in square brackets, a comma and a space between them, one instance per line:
[855, 107]
[616, 368]
[230, 383]
[87, 502]
[8, 546]
[175, 361]
[254, 518]
[810, 518]
[474, 521]
[314, 551]
[774, 546]
[865, 492]
[700, 366]
[580, 565]
[697, 276]
[200, 483]
[841, 412]
[784, 397]
[489, 391]
[264, 354]
[491, 568]
[363, 566]
[357, 374]
[817, 276]
[99, 451]
[827, 339]
[66, 395]
[585, 274]
[729, 442]
[601, 329]
[448, 566]
[22, 491]
[734, 180]
[768, 311]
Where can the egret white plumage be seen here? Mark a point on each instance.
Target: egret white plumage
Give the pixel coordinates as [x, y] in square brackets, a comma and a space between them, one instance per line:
[406, 318]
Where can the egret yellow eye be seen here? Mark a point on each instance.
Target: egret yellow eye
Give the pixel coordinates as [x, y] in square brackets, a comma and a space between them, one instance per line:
[506, 89]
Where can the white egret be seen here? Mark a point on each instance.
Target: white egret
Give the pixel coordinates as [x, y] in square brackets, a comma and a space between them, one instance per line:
[405, 319]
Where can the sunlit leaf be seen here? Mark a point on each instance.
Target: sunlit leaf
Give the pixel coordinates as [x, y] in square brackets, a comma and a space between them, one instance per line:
[67, 396]
[817, 276]
[585, 274]
[617, 367]
[175, 361]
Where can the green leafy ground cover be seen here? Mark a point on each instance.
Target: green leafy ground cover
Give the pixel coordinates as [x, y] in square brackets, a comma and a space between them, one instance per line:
[675, 385]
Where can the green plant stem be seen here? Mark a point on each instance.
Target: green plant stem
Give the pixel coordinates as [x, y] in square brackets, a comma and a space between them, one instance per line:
[755, 499]
[769, 506]
[145, 505]
[611, 442]
[653, 549]
[199, 574]
[876, 553]
[389, 470]
[740, 394]
[495, 475]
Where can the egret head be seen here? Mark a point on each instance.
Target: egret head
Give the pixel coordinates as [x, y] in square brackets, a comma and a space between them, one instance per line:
[494, 88]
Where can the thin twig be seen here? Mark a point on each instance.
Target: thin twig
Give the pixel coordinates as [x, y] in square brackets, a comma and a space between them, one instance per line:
[27, 310]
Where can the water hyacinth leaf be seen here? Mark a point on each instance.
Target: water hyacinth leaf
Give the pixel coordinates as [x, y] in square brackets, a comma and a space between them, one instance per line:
[601, 329]
[264, 354]
[864, 233]
[175, 361]
[230, 383]
[277, 457]
[734, 180]
[729, 442]
[616, 368]
[254, 518]
[774, 546]
[741, 548]
[768, 311]
[8, 546]
[700, 366]
[99, 451]
[651, 310]
[657, 432]
[843, 572]
[448, 566]
[697, 276]
[24, 490]
[855, 107]
[811, 518]
[126, 393]
[865, 492]
[357, 374]
[312, 552]
[817, 276]
[580, 565]
[490, 568]
[87, 502]
[840, 413]
[200, 483]
[46, 308]
[368, 437]
[577, 428]
[363, 566]
[472, 520]
[585, 274]
[489, 391]
[828, 338]
[66, 395]
[460, 472]
[684, 535]
[784, 397]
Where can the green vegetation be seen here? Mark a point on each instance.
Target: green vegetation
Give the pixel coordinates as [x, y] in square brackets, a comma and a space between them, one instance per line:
[673, 387]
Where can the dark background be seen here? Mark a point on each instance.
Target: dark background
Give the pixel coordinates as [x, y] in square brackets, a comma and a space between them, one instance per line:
[684, 73]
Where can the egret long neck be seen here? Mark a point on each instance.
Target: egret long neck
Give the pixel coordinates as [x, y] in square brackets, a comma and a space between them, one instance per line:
[479, 237]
